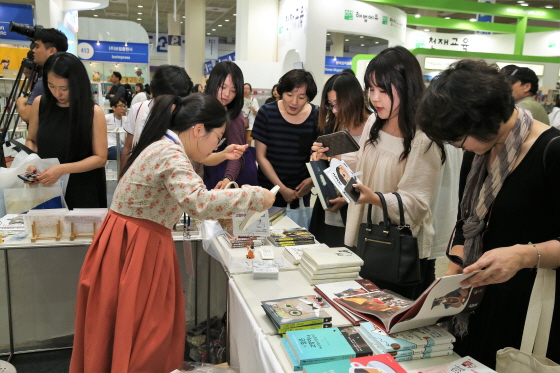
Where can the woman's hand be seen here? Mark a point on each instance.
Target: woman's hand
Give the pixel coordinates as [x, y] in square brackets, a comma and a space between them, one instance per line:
[34, 170]
[304, 187]
[222, 184]
[497, 265]
[366, 194]
[318, 151]
[51, 175]
[233, 151]
[288, 194]
[337, 204]
[269, 198]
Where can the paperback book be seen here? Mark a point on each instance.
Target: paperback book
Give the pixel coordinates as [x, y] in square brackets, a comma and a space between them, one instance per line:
[324, 276]
[332, 257]
[290, 234]
[293, 253]
[326, 190]
[296, 311]
[323, 271]
[425, 355]
[343, 178]
[463, 365]
[375, 364]
[290, 354]
[276, 213]
[393, 313]
[340, 289]
[320, 281]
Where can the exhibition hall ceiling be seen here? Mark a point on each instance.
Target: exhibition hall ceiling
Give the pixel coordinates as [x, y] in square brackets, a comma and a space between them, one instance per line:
[221, 16]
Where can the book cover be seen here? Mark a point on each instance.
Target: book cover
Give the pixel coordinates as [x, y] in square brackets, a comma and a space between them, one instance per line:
[276, 213]
[293, 253]
[326, 190]
[409, 339]
[292, 243]
[324, 271]
[291, 356]
[463, 365]
[296, 311]
[290, 234]
[12, 222]
[424, 356]
[343, 178]
[423, 350]
[356, 341]
[444, 297]
[369, 364]
[333, 257]
[339, 289]
[335, 276]
[321, 345]
[324, 280]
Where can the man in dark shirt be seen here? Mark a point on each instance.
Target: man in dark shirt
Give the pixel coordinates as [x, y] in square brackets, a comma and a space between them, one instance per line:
[48, 41]
[117, 90]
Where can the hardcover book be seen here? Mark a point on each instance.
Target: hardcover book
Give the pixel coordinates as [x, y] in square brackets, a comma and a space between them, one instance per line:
[333, 257]
[293, 253]
[375, 364]
[291, 356]
[324, 271]
[319, 281]
[342, 275]
[393, 313]
[463, 365]
[331, 291]
[326, 190]
[321, 345]
[418, 338]
[296, 311]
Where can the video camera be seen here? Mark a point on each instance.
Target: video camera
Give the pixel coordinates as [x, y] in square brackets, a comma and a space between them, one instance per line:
[29, 33]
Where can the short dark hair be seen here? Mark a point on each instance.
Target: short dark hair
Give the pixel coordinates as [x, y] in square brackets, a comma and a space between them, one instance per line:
[470, 98]
[523, 75]
[114, 101]
[250, 88]
[52, 38]
[216, 81]
[117, 74]
[297, 78]
[170, 80]
[141, 86]
[348, 71]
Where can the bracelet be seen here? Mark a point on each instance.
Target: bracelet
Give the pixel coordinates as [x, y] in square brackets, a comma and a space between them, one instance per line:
[538, 256]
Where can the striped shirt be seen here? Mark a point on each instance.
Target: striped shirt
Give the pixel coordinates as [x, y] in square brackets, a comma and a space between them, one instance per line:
[288, 145]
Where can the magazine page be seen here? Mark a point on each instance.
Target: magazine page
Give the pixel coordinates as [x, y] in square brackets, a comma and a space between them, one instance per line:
[383, 304]
[343, 178]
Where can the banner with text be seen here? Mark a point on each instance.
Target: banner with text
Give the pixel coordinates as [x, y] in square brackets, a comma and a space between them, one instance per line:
[108, 51]
[335, 65]
[17, 13]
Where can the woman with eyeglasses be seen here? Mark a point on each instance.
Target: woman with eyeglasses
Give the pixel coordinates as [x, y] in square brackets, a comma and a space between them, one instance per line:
[130, 313]
[66, 124]
[342, 108]
[510, 206]
[226, 84]
[395, 156]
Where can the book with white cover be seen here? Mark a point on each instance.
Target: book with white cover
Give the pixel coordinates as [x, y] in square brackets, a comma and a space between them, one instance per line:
[325, 271]
[343, 178]
[293, 253]
[463, 365]
[315, 276]
[333, 257]
[325, 280]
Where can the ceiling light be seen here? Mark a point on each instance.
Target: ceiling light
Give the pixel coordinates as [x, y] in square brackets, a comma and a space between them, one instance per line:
[213, 29]
[181, 22]
[219, 25]
[346, 40]
[417, 15]
[235, 15]
[139, 12]
[140, 6]
[472, 19]
[376, 42]
[98, 42]
[361, 45]
[95, 15]
[361, 36]
[521, 1]
[549, 7]
[183, 16]
[138, 19]
[447, 17]
[328, 33]
[207, 33]
[227, 20]
[426, 29]
[524, 4]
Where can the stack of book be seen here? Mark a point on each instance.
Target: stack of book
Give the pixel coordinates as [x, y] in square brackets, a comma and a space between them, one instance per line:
[297, 313]
[275, 214]
[414, 344]
[236, 242]
[333, 264]
[291, 237]
[294, 253]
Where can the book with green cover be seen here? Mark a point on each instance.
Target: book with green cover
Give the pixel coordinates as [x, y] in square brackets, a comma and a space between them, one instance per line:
[377, 363]
[321, 345]
[296, 311]
[325, 325]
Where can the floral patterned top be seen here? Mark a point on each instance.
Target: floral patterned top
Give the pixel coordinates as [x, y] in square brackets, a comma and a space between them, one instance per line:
[161, 184]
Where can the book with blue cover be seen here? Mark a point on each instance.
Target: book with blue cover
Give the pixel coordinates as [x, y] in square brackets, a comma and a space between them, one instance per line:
[377, 363]
[321, 345]
[291, 356]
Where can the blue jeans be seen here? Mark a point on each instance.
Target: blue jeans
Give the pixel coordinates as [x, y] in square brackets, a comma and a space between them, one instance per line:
[112, 153]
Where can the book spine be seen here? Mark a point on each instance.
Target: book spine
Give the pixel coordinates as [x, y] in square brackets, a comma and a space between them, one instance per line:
[422, 351]
[291, 243]
[424, 356]
[326, 359]
[304, 323]
[283, 331]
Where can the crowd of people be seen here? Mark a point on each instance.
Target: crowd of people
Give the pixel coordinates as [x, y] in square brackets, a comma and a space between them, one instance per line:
[186, 144]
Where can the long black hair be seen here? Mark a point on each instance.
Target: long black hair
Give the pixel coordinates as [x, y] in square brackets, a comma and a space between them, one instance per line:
[397, 67]
[187, 112]
[170, 80]
[216, 81]
[80, 98]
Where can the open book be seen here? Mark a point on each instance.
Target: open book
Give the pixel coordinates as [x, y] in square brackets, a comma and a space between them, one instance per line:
[253, 216]
[393, 313]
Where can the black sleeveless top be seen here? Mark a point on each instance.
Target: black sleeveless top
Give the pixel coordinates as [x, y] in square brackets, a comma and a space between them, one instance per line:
[84, 190]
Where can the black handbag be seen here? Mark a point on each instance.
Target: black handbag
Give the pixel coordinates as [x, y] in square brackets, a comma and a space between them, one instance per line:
[389, 251]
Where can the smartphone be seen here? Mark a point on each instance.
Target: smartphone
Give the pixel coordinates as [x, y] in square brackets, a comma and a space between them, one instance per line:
[28, 176]
[353, 193]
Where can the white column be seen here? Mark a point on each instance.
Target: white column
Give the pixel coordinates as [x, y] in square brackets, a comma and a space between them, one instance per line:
[256, 31]
[195, 18]
[173, 29]
[337, 46]
[48, 13]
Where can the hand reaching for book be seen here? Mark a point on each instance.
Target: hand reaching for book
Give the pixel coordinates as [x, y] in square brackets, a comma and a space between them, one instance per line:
[337, 203]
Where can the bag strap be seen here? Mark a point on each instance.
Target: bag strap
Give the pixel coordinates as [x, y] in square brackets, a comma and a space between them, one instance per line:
[231, 184]
[539, 314]
[401, 210]
[386, 221]
[546, 150]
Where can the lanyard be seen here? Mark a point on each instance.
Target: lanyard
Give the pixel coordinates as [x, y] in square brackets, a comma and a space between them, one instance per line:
[171, 138]
[115, 118]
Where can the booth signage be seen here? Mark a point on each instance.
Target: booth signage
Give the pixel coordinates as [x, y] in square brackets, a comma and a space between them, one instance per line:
[335, 65]
[17, 13]
[227, 57]
[108, 51]
[435, 63]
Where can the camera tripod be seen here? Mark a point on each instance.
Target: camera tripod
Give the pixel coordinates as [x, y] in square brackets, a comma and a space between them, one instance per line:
[8, 114]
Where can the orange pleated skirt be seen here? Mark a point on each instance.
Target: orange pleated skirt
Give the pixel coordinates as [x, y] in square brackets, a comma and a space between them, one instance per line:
[130, 310]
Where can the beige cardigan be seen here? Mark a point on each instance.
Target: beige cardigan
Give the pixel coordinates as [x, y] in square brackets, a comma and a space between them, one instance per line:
[415, 179]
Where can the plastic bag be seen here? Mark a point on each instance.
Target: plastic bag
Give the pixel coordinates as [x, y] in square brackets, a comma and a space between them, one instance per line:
[20, 200]
[9, 179]
[301, 216]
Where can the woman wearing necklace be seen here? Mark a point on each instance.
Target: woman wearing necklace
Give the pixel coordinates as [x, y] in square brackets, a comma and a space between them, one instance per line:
[510, 207]
[117, 119]
[396, 157]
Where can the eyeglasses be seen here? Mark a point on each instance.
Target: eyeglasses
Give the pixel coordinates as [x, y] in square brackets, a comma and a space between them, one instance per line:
[330, 106]
[220, 139]
[121, 106]
[462, 146]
